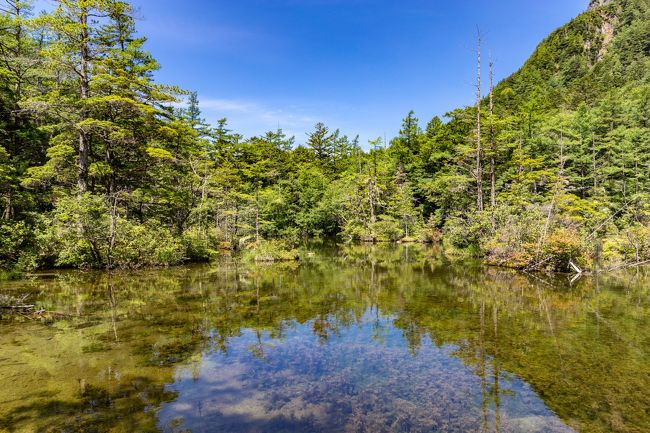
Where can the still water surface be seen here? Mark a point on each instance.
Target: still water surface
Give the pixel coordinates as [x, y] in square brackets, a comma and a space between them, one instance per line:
[353, 339]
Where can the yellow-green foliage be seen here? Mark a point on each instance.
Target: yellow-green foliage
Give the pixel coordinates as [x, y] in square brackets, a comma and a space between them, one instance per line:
[520, 238]
[270, 251]
[631, 245]
[561, 246]
[157, 152]
[79, 235]
[149, 244]
[203, 245]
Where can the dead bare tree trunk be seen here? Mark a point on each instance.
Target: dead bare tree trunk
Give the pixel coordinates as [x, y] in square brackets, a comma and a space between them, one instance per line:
[558, 188]
[479, 167]
[493, 145]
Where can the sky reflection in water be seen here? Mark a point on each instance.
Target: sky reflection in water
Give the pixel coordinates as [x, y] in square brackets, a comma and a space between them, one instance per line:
[362, 378]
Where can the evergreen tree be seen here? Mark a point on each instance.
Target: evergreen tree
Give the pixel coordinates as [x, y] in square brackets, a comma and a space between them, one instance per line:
[322, 142]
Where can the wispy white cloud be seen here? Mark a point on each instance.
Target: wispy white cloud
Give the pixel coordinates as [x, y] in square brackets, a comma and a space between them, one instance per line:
[254, 118]
[228, 105]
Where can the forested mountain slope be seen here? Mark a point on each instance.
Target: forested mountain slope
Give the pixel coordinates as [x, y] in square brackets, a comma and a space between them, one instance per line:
[568, 139]
[600, 51]
[100, 168]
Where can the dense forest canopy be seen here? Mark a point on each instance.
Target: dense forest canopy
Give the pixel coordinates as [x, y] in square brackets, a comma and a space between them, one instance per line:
[99, 167]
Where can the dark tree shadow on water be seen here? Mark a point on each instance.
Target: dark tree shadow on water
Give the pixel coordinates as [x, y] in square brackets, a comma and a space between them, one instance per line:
[129, 407]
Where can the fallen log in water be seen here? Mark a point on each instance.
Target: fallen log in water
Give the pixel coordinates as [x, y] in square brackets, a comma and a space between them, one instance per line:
[628, 265]
[15, 303]
[17, 307]
[575, 267]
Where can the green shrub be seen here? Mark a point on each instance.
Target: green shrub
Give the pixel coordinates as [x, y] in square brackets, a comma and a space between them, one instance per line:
[430, 233]
[386, 229]
[78, 234]
[16, 246]
[515, 237]
[354, 230]
[150, 244]
[561, 246]
[274, 250]
[628, 246]
[467, 233]
[201, 246]
[513, 242]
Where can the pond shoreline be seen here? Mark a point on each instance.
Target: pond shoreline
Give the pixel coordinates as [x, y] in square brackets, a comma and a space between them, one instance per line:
[280, 255]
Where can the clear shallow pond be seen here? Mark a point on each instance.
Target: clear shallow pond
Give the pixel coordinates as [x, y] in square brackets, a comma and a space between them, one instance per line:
[360, 339]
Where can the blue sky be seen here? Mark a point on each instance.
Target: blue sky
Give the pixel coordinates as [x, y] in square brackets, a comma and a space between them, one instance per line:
[357, 65]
